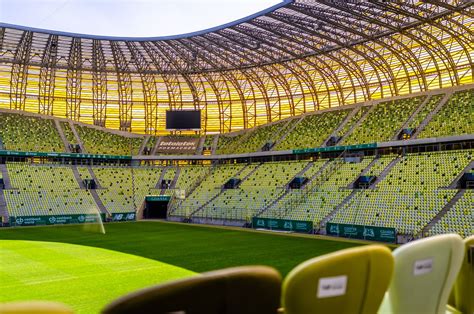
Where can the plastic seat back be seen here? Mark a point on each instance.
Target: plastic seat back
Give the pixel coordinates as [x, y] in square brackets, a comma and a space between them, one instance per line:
[464, 285]
[425, 271]
[248, 289]
[34, 307]
[348, 281]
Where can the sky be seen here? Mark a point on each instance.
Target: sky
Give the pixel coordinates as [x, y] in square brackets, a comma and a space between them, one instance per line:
[128, 18]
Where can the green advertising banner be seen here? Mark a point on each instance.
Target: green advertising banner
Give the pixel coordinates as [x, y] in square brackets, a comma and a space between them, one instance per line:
[54, 219]
[334, 148]
[61, 155]
[157, 198]
[380, 234]
[124, 216]
[282, 224]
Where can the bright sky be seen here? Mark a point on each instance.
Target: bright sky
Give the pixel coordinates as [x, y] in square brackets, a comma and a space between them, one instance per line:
[128, 18]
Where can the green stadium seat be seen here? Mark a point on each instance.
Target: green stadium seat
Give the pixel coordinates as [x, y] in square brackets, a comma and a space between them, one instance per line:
[424, 274]
[464, 285]
[247, 289]
[348, 281]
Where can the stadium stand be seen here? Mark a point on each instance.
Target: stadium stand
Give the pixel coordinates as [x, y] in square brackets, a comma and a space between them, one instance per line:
[46, 190]
[27, 133]
[411, 194]
[382, 122]
[459, 219]
[313, 130]
[455, 118]
[102, 142]
[123, 189]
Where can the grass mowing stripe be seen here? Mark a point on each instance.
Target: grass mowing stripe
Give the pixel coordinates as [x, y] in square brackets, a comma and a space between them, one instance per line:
[84, 277]
[195, 248]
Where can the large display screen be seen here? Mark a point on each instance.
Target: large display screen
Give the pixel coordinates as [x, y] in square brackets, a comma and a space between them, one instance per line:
[183, 119]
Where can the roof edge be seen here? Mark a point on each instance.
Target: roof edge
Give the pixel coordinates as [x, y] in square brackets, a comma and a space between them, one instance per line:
[159, 38]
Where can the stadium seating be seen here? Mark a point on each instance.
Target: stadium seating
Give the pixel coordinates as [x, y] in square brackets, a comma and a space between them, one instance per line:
[247, 289]
[410, 196]
[427, 109]
[382, 123]
[124, 188]
[425, 271]
[313, 130]
[253, 141]
[455, 118]
[322, 197]
[261, 186]
[348, 281]
[26, 133]
[46, 190]
[68, 133]
[101, 142]
[208, 188]
[459, 219]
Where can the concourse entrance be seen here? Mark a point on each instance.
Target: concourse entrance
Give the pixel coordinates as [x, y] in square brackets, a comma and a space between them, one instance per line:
[156, 206]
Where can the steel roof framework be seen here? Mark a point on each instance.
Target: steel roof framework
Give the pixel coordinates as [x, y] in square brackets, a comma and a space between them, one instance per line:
[300, 56]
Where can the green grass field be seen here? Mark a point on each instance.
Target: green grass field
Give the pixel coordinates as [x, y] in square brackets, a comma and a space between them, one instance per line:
[101, 267]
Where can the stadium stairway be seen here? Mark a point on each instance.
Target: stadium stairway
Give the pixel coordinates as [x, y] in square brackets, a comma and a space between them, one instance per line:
[285, 134]
[155, 148]
[329, 216]
[175, 179]
[200, 147]
[99, 202]
[364, 172]
[430, 116]
[287, 190]
[144, 143]
[77, 137]
[77, 176]
[3, 208]
[468, 168]
[5, 176]
[161, 178]
[358, 123]
[425, 231]
[412, 116]
[215, 141]
[386, 171]
[62, 135]
[341, 125]
[94, 177]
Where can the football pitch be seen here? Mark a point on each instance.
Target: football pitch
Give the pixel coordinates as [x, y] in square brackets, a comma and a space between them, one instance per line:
[86, 269]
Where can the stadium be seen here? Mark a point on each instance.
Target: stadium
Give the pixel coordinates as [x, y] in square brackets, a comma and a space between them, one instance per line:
[313, 157]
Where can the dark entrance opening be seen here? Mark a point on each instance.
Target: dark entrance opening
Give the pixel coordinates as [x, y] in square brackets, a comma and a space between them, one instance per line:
[155, 209]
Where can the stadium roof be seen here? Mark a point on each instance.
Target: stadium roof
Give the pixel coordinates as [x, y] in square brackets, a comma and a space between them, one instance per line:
[308, 54]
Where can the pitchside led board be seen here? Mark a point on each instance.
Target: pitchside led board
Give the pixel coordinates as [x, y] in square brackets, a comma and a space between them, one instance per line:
[183, 119]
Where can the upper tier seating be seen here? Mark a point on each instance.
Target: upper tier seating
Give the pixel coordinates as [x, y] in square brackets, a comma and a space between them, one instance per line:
[455, 118]
[313, 130]
[26, 133]
[254, 140]
[68, 133]
[101, 142]
[425, 111]
[384, 120]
